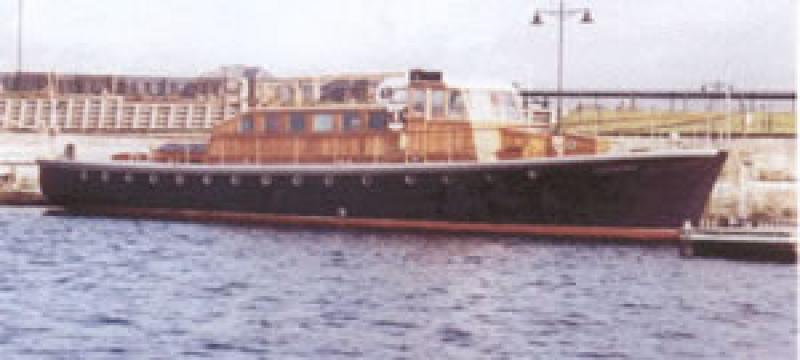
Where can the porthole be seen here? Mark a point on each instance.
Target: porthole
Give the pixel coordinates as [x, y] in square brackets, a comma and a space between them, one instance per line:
[297, 180]
[84, 175]
[366, 180]
[328, 180]
[104, 176]
[265, 180]
[153, 179]
[235, 180]
[179, 180]
[532, 174]
[410, 180]
[206, 180]
[128, 178]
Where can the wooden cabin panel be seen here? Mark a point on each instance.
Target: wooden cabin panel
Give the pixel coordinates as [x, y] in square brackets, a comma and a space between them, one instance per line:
[227, 127]
[351, 146]
[375, 146]
[317, 147]
[516, 144]
[580, 145]
[444, 139]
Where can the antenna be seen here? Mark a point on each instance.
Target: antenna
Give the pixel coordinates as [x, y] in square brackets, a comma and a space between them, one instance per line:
[19, 38]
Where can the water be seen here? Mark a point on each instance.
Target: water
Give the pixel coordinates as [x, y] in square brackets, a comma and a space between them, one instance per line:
[93, 288]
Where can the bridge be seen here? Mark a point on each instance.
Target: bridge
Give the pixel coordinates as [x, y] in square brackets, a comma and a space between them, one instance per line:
[664, 94]
[18, 163]
[741, 96]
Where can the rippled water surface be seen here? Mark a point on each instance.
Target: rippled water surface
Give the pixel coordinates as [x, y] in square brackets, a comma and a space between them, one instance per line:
[93, 288]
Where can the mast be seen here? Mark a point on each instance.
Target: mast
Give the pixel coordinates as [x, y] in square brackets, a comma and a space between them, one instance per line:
[18, 81]
[19, 38]
[560, 80]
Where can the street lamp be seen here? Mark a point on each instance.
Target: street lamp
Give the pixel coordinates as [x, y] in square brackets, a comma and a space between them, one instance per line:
[719, 87]
[17, 85]
[562, 14]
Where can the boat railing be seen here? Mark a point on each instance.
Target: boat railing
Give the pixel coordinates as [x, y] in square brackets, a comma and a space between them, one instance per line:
[406, 146]
[650, 133]
[711, 222]
[412, 146]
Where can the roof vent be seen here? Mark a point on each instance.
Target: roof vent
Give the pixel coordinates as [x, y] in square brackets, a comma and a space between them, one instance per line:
[424, 75]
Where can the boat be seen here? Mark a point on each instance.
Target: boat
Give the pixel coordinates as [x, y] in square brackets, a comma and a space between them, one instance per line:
[404, 153]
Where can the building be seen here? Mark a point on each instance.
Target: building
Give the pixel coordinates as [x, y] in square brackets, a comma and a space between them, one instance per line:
[122, 103]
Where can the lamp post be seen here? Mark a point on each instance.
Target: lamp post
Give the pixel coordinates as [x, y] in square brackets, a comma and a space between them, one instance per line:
[719, 86]
[562, 14]
[17, 84]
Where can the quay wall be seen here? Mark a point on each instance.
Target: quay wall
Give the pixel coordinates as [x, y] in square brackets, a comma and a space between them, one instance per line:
[758, 183]
[18, 151]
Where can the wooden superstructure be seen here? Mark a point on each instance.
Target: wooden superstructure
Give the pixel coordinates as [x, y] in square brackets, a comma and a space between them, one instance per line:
[348, 119]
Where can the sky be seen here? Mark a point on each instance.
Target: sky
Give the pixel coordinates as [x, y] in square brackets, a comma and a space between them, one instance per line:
[633, 44]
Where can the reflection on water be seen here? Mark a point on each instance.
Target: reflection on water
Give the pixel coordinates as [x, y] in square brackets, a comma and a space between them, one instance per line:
[98, 288]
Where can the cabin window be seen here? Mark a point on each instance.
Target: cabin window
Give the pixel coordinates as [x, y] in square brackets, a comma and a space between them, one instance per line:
[246, 124]
[377, 120]
[297, 122]
[286, 95]
[351, 121]
[272, 123]
[307, 93]
[437, 103]
[456, 104]
[323, 123]
[333, 91]
[418, 101]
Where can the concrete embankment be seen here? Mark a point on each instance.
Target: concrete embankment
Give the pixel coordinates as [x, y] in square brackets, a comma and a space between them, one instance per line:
[758, 183]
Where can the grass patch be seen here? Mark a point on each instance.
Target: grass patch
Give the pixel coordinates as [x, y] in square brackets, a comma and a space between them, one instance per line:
[643, 122]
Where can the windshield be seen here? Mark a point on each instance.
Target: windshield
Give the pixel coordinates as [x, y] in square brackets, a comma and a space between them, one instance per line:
[493, 106]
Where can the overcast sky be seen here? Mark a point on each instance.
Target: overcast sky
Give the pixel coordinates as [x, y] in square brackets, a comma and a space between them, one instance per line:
[632, 44]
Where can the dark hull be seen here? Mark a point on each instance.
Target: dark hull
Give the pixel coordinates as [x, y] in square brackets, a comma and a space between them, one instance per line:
[639, 191]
